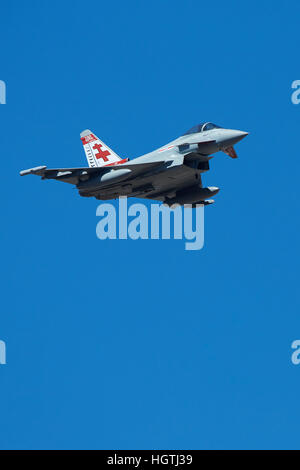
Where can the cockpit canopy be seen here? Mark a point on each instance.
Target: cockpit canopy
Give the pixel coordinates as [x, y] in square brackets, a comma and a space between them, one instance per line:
[204, 126]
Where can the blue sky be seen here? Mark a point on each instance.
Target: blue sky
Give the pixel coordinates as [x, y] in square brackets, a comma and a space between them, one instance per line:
[140, 344]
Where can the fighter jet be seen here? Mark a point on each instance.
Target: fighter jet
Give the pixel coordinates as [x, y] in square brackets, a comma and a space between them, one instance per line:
[171, 174]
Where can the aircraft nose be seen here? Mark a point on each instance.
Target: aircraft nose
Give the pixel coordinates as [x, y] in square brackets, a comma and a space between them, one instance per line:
[236, 136]
[241, 134]
[231, 137]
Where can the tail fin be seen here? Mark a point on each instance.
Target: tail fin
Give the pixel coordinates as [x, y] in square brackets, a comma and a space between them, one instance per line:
[97, 153]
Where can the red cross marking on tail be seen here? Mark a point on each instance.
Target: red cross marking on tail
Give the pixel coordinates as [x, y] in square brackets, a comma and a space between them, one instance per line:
[101, 153]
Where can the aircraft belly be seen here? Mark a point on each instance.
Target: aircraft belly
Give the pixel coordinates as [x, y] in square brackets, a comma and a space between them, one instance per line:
[144, 187]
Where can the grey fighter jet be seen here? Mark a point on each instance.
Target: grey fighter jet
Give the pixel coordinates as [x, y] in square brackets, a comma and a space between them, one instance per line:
[170, 174]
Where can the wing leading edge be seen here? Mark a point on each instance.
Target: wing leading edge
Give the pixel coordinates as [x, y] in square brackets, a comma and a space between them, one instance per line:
[77, 175]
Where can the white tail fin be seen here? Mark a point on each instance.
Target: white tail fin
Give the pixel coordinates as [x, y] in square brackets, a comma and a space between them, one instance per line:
[97, 153]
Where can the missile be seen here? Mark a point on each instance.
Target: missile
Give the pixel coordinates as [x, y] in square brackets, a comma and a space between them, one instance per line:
[192, 195]
[38, 170]
[104, 179]
[206, 202]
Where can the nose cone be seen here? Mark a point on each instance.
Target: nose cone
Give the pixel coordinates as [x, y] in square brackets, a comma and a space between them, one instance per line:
[238, 135]
[230, 137]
